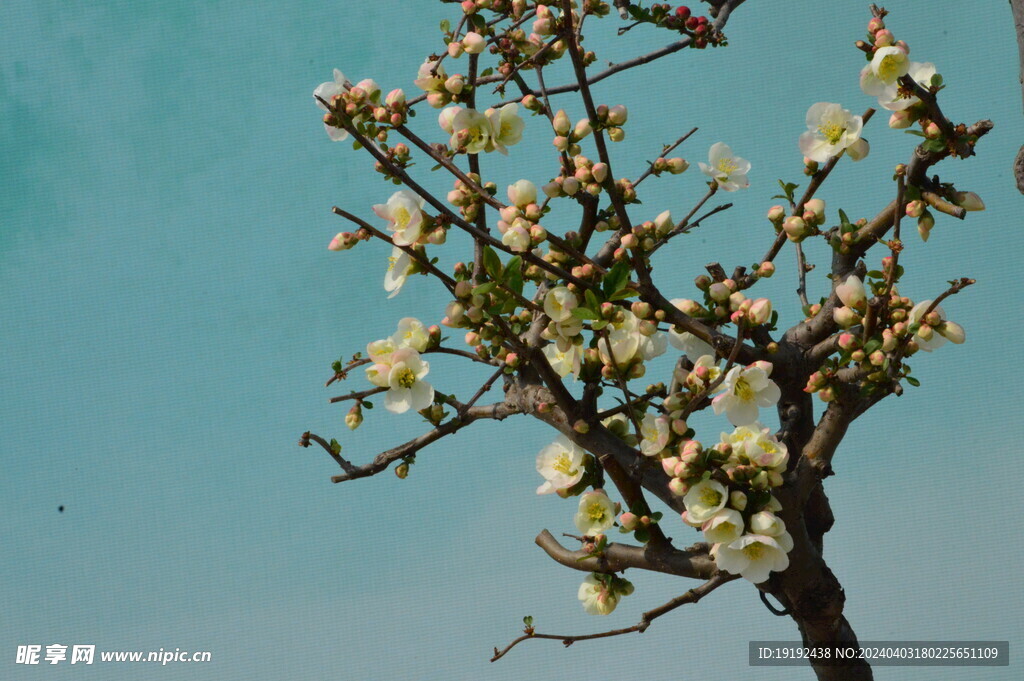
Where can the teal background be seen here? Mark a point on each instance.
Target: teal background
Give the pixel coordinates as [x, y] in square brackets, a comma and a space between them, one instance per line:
[169, 313]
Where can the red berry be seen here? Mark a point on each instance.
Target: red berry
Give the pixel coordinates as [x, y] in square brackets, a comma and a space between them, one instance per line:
[691, 23]
[702, 20]
[701, 29]
[683, 12]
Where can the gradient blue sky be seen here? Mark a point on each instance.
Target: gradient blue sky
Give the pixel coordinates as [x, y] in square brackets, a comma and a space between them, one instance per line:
[170, 312]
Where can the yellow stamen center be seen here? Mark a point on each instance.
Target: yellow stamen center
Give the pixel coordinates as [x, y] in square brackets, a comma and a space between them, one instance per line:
[726, 165]
[595, 511]
[406, 378]
[710, 497]
[755, 550]
[831, 132]
[744, 391]
[563, 464]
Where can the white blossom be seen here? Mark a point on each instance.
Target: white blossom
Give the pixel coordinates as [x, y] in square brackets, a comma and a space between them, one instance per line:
[730, 172]
[399, 267]
[561, 464]
[407, 389]
[411, 333]
[405, 219]
[596, 513]
[559, 303]
[744, 391]
[327, 91]
[929, 337]
[471, 131]
[655, 431]
[892, 99]
[752, 556]
[888, 64]
[830, 130]
[703, 501]
[600, 593]
[506, 127]
[724, 527]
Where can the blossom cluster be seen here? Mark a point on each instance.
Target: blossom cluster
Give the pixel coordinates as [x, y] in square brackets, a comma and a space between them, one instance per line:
[396, 365]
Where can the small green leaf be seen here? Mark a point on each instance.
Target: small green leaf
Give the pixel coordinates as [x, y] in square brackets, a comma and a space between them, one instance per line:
[367, 404]
[616, 278]
[914, 132]
[446, 26]
[335, 447]
[486, 72]
[913, 381]
[483, 289]
[528, 621]
[937, 80]
[492, 263]
[584, 313]
[515, 264]
[592, 300]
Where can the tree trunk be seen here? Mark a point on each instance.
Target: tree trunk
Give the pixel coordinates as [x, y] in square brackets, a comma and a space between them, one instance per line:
[1018, 23]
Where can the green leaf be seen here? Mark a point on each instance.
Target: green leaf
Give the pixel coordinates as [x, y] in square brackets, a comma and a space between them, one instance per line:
[367, 404]
[934, 145]
[486, 72]
[642, 535]
[483, 289]
[913, 381]
[515, 264]
[528, 621]
[914, 132]
[788, 188]
[492, 263]
[622, 294]
[446, 26]
[592, 300]
[335, 447]
[615, 279]
[937, 80]
[842, 216]
[584, 313]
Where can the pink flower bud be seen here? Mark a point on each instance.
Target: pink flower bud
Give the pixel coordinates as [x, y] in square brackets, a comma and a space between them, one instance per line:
[884, 38]
[473, 43]
[766, 269]
[795, 228]
[678, 488]
[969, 201]
[776, 213]
[915, 209]
[901, 119]
[848, 342]
[932, 130]
[719, 292]
[629, 521]
[760, 311]
[845, 316]
[875, 24]
[618, 114]
[561, 123]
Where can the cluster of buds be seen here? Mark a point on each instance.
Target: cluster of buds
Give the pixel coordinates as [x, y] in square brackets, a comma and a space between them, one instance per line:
[820, 382]
[879, 36]
[440, 88]
[925, 220]
[744, 464]
[467, 199]
[568, 136]
[360, 104]
[588, 176]
[675, 165]
[853, 295]
[847, 235]
[398, 155]
[683, 20]
[346, 240]
[518, 223]
[471, 43]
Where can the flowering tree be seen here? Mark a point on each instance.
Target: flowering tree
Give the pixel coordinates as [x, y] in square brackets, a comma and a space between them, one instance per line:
[566, 320]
